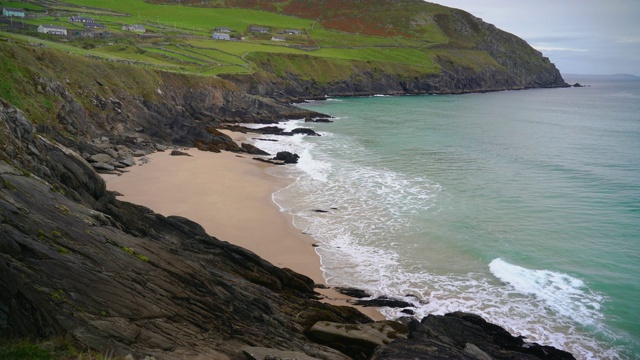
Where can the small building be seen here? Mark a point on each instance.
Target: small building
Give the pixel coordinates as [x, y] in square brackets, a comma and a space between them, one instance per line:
[278, 38]
[52, 29]
[134, 28]
[93, 25]
[292, 32]
[80, 19]
[11, 12]
[220, 36]
[223, 29]
[259, 29]
[80, 33]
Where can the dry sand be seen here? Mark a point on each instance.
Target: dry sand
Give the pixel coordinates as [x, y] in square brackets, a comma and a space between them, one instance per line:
[230, 196]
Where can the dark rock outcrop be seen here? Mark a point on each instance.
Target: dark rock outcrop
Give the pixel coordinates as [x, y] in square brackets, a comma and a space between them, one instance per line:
[118, 277]
[358, 341]
[353, 292]
[287, 157]
[464, 336]
[383, 301]
[121, 279]
[271, 130]
[252, 149]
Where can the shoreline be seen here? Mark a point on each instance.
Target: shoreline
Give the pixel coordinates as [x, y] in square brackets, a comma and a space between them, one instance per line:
[228, 194]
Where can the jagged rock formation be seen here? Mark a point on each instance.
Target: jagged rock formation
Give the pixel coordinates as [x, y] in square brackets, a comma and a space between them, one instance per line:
[461, 335]
[118, 277]
[477, 57]
[74, 259]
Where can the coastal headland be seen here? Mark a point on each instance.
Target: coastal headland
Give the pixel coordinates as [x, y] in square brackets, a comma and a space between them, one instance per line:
[158, 276]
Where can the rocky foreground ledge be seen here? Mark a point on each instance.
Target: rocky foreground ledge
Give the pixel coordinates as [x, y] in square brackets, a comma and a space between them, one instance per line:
[121, 279]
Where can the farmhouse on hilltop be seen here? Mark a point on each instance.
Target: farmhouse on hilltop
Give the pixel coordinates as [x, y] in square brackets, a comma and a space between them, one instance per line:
[220, 36]
[278, 38]
[8, 12]
[52, 29]
[223, 29]
[293, 32]
[134, 28]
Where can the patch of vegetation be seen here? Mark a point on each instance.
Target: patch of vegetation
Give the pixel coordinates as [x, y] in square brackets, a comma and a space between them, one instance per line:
[58, 348]
[8, 185]
[57, 188]
[58, 296]
[138, 256]
[142, 258]
[62, 209]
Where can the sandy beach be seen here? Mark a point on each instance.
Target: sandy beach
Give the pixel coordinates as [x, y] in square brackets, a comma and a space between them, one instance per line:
[230, 196]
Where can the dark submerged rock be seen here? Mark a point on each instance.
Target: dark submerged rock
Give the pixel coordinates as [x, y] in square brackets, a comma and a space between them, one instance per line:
[383, 301]
[304, 131]
[353, 292]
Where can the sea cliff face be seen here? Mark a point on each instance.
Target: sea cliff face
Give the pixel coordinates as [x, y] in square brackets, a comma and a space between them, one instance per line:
[118, 277]
[478, 58]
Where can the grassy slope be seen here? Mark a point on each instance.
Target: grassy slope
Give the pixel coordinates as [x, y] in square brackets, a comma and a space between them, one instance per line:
[405, 37]
[191, 52]
[28, 73]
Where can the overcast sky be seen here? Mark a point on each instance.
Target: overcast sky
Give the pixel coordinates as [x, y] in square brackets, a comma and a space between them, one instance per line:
[579, 36]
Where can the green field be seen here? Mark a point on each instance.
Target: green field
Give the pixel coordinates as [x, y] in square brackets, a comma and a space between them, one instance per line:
[21, 5]
[179, 39]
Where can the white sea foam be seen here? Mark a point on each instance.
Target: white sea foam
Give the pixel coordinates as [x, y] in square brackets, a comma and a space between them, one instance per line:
[568, 296]
[368, 207]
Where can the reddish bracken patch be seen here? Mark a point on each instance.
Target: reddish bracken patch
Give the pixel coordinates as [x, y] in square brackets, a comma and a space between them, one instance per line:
[307, 9]
[267, 6]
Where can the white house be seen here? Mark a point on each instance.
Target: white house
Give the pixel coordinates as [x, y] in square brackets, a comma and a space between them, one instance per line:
[52, 29]
[278, 38]
[220, 36]
[293, 32]
[223, 29]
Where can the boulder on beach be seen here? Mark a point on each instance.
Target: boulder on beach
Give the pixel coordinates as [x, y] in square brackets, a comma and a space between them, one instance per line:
[179, 153]
[287, 157]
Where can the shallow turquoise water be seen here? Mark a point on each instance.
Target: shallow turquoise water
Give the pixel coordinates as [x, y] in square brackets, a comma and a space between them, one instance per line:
[523, 206]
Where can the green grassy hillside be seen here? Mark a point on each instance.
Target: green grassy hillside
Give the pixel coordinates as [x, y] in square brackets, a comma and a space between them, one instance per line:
[316, 40]
[178, 37]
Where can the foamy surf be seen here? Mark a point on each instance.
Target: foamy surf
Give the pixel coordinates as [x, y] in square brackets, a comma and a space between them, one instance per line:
[373, 210]
[566, 295]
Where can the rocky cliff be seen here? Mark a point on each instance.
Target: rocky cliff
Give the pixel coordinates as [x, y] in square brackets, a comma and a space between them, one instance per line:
[477, 57]
[117, 277]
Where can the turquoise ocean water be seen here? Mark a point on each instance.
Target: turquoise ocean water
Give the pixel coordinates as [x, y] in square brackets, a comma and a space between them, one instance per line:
[521, 206]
